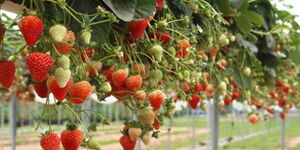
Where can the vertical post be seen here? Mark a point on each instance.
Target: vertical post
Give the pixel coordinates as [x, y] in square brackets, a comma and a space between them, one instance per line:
[193, 129]
[59, 115]
[215, 123]
[12, 120]
[87, 106]
[170, 147]
[282, 134]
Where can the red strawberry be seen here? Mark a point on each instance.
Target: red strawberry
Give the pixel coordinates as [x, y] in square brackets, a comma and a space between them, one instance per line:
[59, 93]
[119, 92]
[227, 101]
[137, 28]
[41, 90]
[71, 138]
[182, 48]
[282, 102]
[279, 83]
[156, 124]
[50, 141]
[134, 82]
[165, 37]
[235, 95]
[185, 86]
[2, 32]
[282, 115]
[94, 66]
[126, 143]
[194, 101]
[80, 91]
[253, 118]
[89, 54]
[7, 73]
[273, 95]
[119, 77]
[159, 5]
[156, 99]
[39, 65]
[108, 73]
[31, 28]
[213, 52]
[197, 88]
[67, 44]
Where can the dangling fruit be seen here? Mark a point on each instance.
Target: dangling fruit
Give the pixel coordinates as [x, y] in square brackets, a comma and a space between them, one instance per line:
[79, 92]
[71, 138]
[50, 141]
[7, 73]
[39, 65]
[137, 28]
[58, 32]
[65, 46]
[126, 143]
[156, 99]
[31, 28]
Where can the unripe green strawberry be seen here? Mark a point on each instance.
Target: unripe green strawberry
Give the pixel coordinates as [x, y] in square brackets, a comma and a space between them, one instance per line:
[193, 6]
[146, 138]
[62, 76]
[106, 87]
[85, 36]
[94, 144]
[64, 61]
[187, 75]
[156, 51]
[171, 51]
[163, 24]
[223, 40]
[222, 87]
[155, 76]
[57, 32]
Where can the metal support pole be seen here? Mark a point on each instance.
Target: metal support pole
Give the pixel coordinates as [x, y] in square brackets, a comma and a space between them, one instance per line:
[193, 129]
[59, 115]
[170, 146]
[282, 134]
[87, 106]
[12, 121]
[215, 122]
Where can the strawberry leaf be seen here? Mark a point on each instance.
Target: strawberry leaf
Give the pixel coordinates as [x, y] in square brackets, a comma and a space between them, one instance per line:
[128, 10]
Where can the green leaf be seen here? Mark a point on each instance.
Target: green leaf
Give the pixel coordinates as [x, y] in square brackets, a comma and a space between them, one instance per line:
[244, 24]
[128, 10]
[179, 8]
[224, 6]
[241, 80]
[255, 17]
[295, 56]
[244, 6]
[237, 3]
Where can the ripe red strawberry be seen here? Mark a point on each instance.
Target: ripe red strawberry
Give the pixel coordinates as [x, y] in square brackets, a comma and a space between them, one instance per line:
[194, 101]
[279, 83]
[156, 124]
[156, 99]
[50, 141]
[2, 32]
[31, 28]
[159, 5]
[197, 88]
[182, 48]
[67, 43]
[80, 91]
[137, 28]
[209, 89]
[39, 65]
[108, 73]
[41, 90]
[134, 82]
[282, 102]
[165, 37]
[273, 95]
[227, 101]
[119, 77]
[213, 52]
[134, 133]
[235, 95]
[59, 93]
[71, 138]
[282, 115]
[185, 86]
[7, 73]
[120, 92]
[253, 118]
[126, 143]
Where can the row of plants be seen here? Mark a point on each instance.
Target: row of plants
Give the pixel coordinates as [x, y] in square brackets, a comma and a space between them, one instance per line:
[148, 54]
